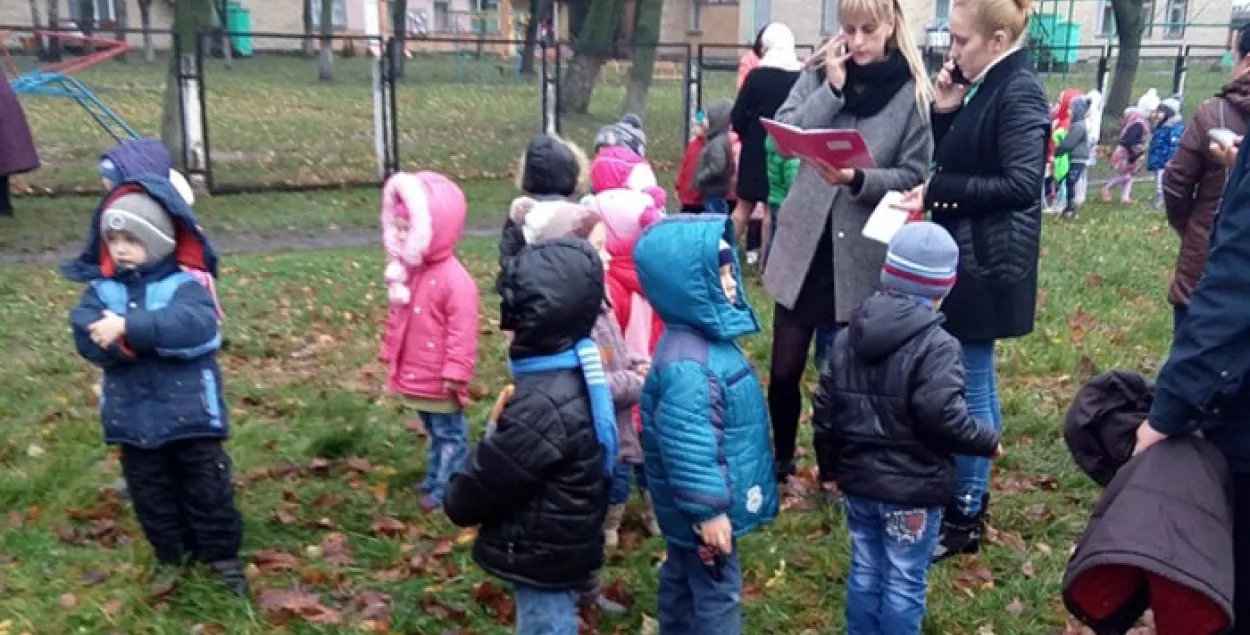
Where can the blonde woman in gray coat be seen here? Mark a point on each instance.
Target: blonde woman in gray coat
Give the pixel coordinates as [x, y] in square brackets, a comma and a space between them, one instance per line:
[870, 78]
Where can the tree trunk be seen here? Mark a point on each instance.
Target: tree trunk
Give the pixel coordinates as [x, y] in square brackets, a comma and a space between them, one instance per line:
[37, 23]
[190, 17]
[538, 13]
[325, 63]
[591, 49]
[54, 23]
[642, 69]
[223, 22]
[309, 48]
[1130, 22]
[399, 30]
[145, 22]
[86, 22]
[123, 23]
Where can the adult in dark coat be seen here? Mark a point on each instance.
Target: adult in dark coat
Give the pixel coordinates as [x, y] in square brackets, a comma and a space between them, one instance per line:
[17, 145]
[763, 92]
[1161, 536]
[1204, 379]
[989, 134]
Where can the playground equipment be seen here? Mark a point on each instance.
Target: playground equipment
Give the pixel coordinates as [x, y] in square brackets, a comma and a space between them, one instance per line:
[54, 80]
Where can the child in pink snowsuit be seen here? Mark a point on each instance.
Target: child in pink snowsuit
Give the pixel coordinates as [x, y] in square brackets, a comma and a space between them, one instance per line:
[430, 342]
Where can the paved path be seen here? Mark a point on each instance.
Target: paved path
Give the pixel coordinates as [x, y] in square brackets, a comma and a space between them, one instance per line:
[240, 244]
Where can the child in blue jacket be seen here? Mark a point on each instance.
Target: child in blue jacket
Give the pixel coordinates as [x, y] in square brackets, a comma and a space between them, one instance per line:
[155, 332]
[705, 432]
[1164, 142]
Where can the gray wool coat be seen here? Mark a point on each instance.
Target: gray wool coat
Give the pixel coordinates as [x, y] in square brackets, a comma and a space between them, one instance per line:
[901, 144]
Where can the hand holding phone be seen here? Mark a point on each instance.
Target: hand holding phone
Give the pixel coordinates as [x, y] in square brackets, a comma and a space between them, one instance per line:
[950, 88]
[836, 56]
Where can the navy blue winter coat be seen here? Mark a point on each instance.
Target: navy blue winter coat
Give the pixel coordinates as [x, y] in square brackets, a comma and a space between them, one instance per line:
[161, 382]
[1204, 379]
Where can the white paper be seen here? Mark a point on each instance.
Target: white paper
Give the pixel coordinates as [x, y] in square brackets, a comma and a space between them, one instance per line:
[886, 220]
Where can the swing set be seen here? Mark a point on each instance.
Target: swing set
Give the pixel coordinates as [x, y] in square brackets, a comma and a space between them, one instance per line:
[55, 80]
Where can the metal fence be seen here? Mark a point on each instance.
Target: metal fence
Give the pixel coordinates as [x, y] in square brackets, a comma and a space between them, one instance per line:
[263, 118]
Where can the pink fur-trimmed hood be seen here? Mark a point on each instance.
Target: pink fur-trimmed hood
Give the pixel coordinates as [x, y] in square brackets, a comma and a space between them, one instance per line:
[436, 210]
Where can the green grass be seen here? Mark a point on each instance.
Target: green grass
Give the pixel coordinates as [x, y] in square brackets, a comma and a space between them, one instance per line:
[303, 331]
[271, 121]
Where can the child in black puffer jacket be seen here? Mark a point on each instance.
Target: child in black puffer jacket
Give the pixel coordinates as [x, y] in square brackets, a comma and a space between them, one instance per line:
[891, 416]
[538, 484]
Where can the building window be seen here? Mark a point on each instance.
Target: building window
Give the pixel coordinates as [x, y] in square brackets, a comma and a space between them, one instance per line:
[1106, 19]
[828, 17]
[105, 11]
[1176, 14]
[442, 17]
[338, 15]
[1148, 11]
[942, 11]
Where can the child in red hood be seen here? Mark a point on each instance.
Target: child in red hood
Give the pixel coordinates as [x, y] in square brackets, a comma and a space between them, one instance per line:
[689, 196]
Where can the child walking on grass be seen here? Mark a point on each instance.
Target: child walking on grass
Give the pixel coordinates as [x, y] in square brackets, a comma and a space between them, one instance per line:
[688, 193]
[155, 332]
[1164, 143]
[1134, 138]
[1077, 148]
[538, 484]
[893, 395]
[431, 340]
[705, 434]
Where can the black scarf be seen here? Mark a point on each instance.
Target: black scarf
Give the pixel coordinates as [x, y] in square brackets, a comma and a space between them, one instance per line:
[869, 88]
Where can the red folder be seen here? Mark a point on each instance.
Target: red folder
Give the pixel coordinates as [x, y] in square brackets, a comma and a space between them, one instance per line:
[838, 148]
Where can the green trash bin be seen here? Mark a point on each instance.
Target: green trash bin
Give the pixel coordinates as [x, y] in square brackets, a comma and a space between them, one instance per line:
[1064, 43]
[239, 23]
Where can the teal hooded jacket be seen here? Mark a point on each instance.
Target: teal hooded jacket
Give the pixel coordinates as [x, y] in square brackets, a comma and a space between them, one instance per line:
[705, 431]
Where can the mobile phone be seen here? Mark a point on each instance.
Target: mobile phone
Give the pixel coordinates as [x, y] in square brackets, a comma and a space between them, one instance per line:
[957, 76]
[1222, 136]
[712, 559]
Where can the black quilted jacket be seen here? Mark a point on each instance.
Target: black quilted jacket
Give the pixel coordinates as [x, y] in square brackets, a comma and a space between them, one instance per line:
[890, 409]
[536, 485]
[986, 191]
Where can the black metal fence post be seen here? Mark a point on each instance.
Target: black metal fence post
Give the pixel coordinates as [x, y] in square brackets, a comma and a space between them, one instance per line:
[557, 87]
[400, 45]
[1104, 69]
[1180, 70]
[544, 87]
[202, 103]
[688, 96]
[696, 81]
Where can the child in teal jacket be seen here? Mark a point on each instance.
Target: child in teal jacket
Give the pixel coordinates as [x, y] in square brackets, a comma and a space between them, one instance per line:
[705, 433]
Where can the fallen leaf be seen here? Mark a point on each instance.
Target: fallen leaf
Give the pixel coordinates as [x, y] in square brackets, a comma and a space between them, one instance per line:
[325, 523]
[162, 587]
[319, 466]
[466, 535]
[1043, 547]
[491, 597]
[974, 576]
[269, 560]
[1027, 569]
[619, 593]
[34, 451]
[113, 608]
[68, 601]
[327, 501]
[286, 604]
[441, 610]
[442, 547]
[208, 629]
[286, 516]
[358, 464]
[373, 605]
[388, 526]
[335, 550]
[1015, 608]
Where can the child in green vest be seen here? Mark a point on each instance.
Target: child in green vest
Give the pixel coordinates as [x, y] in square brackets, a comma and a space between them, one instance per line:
[781, 173]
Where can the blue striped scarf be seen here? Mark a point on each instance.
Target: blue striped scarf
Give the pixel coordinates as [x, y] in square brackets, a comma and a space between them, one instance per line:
[583, 355]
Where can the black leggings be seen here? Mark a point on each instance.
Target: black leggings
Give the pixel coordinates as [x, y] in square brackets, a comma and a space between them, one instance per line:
[791, 340]
[6, 202]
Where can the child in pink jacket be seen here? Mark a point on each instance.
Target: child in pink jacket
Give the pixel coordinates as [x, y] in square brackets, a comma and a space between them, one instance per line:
[430, 342]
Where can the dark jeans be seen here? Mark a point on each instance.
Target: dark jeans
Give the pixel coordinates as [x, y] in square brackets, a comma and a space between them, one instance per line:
[1075, 172]
[714, 205]
[791, 341]
[1241, 554]
[184, 497]
[6, 201]
[691, 602]
[1178, 315]
[692, 209]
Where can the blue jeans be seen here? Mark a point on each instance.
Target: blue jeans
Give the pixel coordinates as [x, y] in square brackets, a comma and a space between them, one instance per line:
[691, 602]
[716, 205]
[543, 612]
[891, 548]
[622, 474]
[974, 472]
[449, 448]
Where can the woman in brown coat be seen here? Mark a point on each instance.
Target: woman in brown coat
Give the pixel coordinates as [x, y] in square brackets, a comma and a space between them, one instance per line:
[1193, 181]
[17, 146]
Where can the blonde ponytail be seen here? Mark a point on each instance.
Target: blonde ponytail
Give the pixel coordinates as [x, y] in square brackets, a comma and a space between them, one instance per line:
[907, 46]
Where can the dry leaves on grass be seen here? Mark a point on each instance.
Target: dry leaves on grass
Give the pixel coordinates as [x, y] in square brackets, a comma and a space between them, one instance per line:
[973, 576]
[499, 603]
[284, 605]
[335, 550]
[271, 560]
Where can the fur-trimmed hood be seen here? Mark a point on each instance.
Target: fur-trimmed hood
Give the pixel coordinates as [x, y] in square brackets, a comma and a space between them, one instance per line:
[436, 210]
[625, 214]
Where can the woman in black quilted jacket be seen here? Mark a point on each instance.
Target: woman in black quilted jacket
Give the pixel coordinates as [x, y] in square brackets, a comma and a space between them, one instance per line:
[990, 122]
[538, 484]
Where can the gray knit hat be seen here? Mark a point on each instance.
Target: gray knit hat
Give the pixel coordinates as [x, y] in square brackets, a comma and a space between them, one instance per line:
[144, 218]
[921, 261]
[627, 132]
